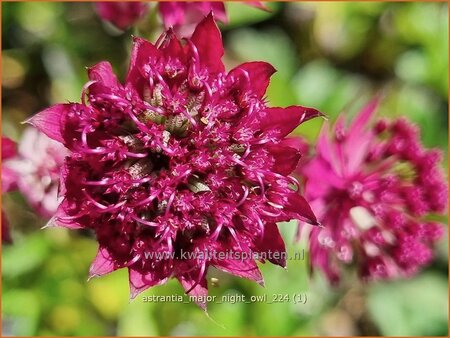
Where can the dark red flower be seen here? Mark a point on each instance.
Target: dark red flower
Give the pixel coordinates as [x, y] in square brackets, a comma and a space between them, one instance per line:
[183, 158]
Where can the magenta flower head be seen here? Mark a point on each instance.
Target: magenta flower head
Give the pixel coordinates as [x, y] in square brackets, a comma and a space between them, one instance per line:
[9, 179]
[372, 187]
[182, 16]
[37, 167]
[182, 167]
[121, 14]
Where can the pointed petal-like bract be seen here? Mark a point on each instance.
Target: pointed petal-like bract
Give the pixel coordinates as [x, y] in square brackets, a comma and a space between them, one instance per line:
[140, 282]
[102, 73]
[296, 142]
[218, 8]
[208, 40]
[273, 245]
[103, 263]
[48, 121]
[329, 150]
[300, 209]
[285, 120]
[197, 289]
[359, 138]
[259, 74]
[61, 219]
[244, 267]
[141, 52]
[172, 47]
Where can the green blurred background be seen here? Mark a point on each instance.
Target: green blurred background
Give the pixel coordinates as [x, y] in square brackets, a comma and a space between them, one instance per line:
[333, 56]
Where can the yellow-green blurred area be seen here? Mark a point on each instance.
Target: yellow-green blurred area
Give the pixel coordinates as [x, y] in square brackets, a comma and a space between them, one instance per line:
[333, 56]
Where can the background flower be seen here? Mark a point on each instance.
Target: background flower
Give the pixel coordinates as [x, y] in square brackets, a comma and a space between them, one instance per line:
[373, 188]
[184, 15]
[37, 169]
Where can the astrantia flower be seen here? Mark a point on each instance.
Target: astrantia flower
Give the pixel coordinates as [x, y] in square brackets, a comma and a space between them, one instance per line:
[121, 14]
[9, 179]
[183, 15]
[372, 187]
[37, 167]
[183, 162]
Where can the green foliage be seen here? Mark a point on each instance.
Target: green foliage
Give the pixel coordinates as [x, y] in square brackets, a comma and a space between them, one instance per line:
[409, 308]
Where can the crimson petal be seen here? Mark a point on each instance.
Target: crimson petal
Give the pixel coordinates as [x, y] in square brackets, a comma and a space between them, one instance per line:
[240, 267]
[259, 74]
[197, 289]
[208, 40]
[140, 282]
[171, 46]
[273, 242]
[285, 120]
[103, 73]
[48, 121]
[141, 53]
[103, 263]
[296, 142]
[218, 8]
[360, 122]
[286, 159]
[299, 208]
[62, 219]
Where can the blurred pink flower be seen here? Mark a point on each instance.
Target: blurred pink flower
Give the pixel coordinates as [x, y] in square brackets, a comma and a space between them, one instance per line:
[37, 168]
[121, 14]
[372, 188]
[183, 158]
[9, 178]
[175, 14]
[182, 16]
